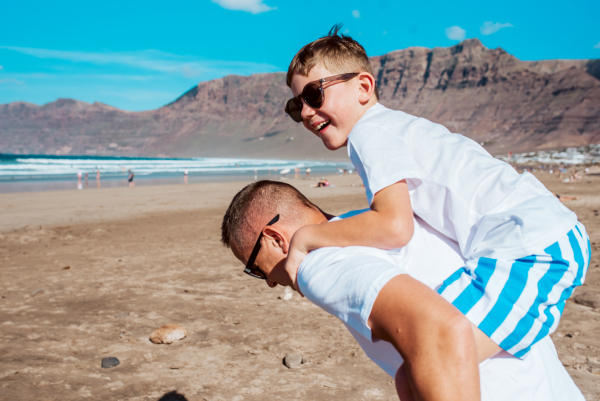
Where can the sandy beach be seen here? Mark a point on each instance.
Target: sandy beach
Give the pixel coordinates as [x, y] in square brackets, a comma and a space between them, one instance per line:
[90, 274]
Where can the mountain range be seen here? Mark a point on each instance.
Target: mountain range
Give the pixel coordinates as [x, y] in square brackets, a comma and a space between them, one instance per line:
[486, 94]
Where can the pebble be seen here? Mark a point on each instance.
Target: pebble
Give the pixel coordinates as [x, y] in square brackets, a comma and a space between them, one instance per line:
[292, 361]
[589, 299]
[288, 294]
[36, 292]
[168, 334]
[594, 368]
[110, 362]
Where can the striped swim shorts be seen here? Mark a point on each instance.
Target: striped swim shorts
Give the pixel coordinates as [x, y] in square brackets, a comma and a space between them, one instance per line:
[519, 302]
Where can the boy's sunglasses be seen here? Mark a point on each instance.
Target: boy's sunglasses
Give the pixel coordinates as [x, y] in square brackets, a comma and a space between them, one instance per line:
[313, 95]
[250, 269]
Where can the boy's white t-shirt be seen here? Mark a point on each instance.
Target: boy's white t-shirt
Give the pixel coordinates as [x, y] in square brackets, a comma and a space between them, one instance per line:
[346, 281]
[457, 186]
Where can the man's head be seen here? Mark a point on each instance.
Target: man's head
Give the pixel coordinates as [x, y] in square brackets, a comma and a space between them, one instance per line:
[247, 216]
[344, 103]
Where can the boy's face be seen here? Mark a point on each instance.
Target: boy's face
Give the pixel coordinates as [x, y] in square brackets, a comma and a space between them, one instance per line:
[342, 108]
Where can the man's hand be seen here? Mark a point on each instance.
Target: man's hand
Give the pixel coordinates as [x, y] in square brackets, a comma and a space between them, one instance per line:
[296, 254]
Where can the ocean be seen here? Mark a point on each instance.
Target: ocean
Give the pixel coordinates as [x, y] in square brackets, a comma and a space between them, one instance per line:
[24, 173]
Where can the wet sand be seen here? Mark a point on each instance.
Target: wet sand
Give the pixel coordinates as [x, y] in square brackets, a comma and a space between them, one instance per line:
[90, 274]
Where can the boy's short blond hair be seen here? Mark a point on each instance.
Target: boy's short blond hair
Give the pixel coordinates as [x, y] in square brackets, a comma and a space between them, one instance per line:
[339, 54]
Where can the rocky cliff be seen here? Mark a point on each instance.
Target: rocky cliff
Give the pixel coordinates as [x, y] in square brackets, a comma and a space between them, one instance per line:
[486, 94]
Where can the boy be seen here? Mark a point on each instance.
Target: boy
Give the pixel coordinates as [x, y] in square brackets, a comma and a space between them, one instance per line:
[525, 252]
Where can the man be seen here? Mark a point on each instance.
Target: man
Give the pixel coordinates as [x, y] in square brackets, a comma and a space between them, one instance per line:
[372, 292]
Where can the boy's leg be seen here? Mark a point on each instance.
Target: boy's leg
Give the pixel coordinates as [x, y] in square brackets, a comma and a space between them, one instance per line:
[518, 302]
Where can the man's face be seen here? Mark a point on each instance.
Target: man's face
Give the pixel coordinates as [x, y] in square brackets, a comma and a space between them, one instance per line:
[271, 257]
[340, 111]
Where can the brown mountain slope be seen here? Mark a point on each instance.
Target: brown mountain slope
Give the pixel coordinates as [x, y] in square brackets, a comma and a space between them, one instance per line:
[485, 94]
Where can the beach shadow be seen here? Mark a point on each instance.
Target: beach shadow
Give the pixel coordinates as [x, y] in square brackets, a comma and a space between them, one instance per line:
[173, 396]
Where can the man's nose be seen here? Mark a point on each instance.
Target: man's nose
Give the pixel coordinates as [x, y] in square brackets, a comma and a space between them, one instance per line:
[271, 284]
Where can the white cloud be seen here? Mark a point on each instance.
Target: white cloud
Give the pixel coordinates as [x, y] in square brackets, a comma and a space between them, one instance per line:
[597, 46]
[346, 32]
[356, 13]
[152, 60]
[251, 6]
[385, 32]
[490, 27]
[11, 81]
[456, 33]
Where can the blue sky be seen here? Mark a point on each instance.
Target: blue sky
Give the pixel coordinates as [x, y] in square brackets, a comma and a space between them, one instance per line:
[141, 55]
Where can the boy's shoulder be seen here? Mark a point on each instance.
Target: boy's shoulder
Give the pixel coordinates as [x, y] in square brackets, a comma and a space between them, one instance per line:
[390, 122]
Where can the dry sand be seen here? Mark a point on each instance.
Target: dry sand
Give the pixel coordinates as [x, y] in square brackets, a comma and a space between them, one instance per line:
[90, 274]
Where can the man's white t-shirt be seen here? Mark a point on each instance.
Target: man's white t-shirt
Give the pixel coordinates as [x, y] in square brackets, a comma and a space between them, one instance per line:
[346, 281]
[456, 186]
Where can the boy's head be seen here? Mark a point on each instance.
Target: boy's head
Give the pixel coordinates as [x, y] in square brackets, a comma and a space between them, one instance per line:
[345, 100]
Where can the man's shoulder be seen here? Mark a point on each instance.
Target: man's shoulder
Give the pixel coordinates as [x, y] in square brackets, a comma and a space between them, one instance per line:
[331, 263]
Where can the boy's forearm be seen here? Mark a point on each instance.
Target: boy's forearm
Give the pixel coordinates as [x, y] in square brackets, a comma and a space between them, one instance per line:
[388, 225]
[366, 229]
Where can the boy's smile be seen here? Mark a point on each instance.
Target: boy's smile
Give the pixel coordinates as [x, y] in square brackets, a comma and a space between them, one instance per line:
[343, 106]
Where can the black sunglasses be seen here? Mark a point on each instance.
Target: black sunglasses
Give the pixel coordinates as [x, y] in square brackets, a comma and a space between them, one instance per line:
[250, 269]
[313, 95]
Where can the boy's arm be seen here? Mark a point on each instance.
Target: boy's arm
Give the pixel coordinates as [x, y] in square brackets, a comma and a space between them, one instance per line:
[435, 340]
[388, 225]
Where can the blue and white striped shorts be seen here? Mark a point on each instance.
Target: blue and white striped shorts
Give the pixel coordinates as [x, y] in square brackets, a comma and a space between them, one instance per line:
[519, 302]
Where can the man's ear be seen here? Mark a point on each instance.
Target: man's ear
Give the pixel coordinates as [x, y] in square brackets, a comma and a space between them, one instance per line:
[276, 239]
[366, 87]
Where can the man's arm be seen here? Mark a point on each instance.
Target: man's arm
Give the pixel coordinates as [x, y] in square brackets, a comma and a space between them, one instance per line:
[435, 340]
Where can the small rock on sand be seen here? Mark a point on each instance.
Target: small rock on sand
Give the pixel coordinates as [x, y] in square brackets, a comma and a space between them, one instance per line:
[109, 362]
[168, 333]
[590, 299]
[292, 361]
[35, 292]
[288, 294]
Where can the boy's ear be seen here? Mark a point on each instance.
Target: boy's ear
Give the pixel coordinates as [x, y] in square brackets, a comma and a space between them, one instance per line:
[366, 88]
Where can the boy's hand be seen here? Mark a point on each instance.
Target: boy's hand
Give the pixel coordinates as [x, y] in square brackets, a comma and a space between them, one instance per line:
[296, 254]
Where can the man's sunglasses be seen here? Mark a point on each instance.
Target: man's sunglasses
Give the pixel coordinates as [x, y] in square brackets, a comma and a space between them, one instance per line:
[313, 94]
[250, 269]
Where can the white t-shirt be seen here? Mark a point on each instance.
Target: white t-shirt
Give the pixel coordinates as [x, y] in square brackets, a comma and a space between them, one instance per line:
[346, 282]
[456, 186]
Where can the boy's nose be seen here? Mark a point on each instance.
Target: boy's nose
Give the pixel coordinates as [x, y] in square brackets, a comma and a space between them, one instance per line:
[307, 112]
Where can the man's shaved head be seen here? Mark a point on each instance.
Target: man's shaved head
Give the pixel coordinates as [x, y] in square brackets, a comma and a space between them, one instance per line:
[256, 204]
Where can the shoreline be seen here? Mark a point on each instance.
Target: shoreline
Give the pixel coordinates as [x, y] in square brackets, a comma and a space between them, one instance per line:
[28, 210]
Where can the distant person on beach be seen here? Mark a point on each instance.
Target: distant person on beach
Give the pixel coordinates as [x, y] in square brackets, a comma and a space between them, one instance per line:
[130, 178]
[98, 178]
[509, 227]
[79, 175]
[386, 299]
[86, 179]
[308, 170]
[323, 183]
[185, 177]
